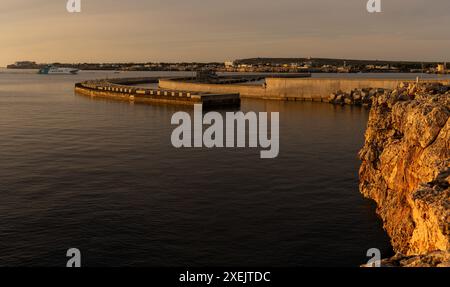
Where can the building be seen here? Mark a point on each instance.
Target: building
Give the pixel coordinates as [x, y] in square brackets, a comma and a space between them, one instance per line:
[24, 65]
[442, 68]
[229, 64]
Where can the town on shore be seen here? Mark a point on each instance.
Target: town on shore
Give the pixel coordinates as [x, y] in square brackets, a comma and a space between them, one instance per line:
[261, 65]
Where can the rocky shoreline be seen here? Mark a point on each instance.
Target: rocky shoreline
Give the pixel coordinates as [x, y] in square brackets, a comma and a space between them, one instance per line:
[358, 97]
[406, 170]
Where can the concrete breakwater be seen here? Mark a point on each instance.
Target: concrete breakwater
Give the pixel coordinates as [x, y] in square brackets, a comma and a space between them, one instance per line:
[321, 88]
[256, 91]
[122, 89]
[288, 89]
[227, 90]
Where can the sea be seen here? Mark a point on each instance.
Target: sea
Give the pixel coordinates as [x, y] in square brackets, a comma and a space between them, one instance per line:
[103, 177]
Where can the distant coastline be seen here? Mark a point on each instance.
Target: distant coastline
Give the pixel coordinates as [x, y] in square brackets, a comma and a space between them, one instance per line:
[260, 65]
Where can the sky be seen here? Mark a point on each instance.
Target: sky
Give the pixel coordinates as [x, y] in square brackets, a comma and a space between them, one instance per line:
[219, 30]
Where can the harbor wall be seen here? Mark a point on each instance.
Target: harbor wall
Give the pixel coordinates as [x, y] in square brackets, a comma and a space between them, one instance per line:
[243, 90]
[112, 90]
[316, 88]
[309, 89]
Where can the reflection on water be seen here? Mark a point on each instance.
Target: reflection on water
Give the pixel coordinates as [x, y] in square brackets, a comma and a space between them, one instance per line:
[102, 176]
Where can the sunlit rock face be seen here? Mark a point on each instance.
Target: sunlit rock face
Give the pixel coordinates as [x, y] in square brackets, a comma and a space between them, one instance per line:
[406, 170]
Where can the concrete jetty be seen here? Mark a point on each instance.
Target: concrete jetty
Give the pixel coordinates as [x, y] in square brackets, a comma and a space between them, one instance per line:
[289, 89]
[123, 89]
[228, 90]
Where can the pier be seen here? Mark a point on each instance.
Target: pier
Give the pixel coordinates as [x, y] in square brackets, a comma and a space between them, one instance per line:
[228, 90]
[123, 89]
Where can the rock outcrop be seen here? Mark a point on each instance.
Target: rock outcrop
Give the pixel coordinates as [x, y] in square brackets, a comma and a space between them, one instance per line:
[356, 97]
[406, 170]
[433, 259]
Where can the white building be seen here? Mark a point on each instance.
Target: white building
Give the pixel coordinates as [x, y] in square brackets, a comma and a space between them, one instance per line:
[229, 64]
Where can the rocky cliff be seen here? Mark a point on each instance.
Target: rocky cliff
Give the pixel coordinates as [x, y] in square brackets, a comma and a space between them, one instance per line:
[406, 170]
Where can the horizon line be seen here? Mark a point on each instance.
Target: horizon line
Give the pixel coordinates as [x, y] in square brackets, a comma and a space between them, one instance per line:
[239, 59]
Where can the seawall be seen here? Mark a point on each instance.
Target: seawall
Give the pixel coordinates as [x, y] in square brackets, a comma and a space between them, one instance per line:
[119, 89]
[244, 90]
[290, 89]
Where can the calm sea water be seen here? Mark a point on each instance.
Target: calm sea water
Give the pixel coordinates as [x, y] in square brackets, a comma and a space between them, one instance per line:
[102, 176]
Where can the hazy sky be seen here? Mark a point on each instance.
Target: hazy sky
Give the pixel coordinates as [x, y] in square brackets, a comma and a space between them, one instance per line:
[216, 30]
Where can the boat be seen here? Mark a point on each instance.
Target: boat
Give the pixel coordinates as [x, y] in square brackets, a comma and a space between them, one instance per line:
[52, 70]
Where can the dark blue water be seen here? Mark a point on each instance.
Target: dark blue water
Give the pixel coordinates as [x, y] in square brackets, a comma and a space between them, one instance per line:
[102, 176]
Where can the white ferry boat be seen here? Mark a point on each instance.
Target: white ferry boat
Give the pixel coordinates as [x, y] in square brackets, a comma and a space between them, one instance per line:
[51, 70]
